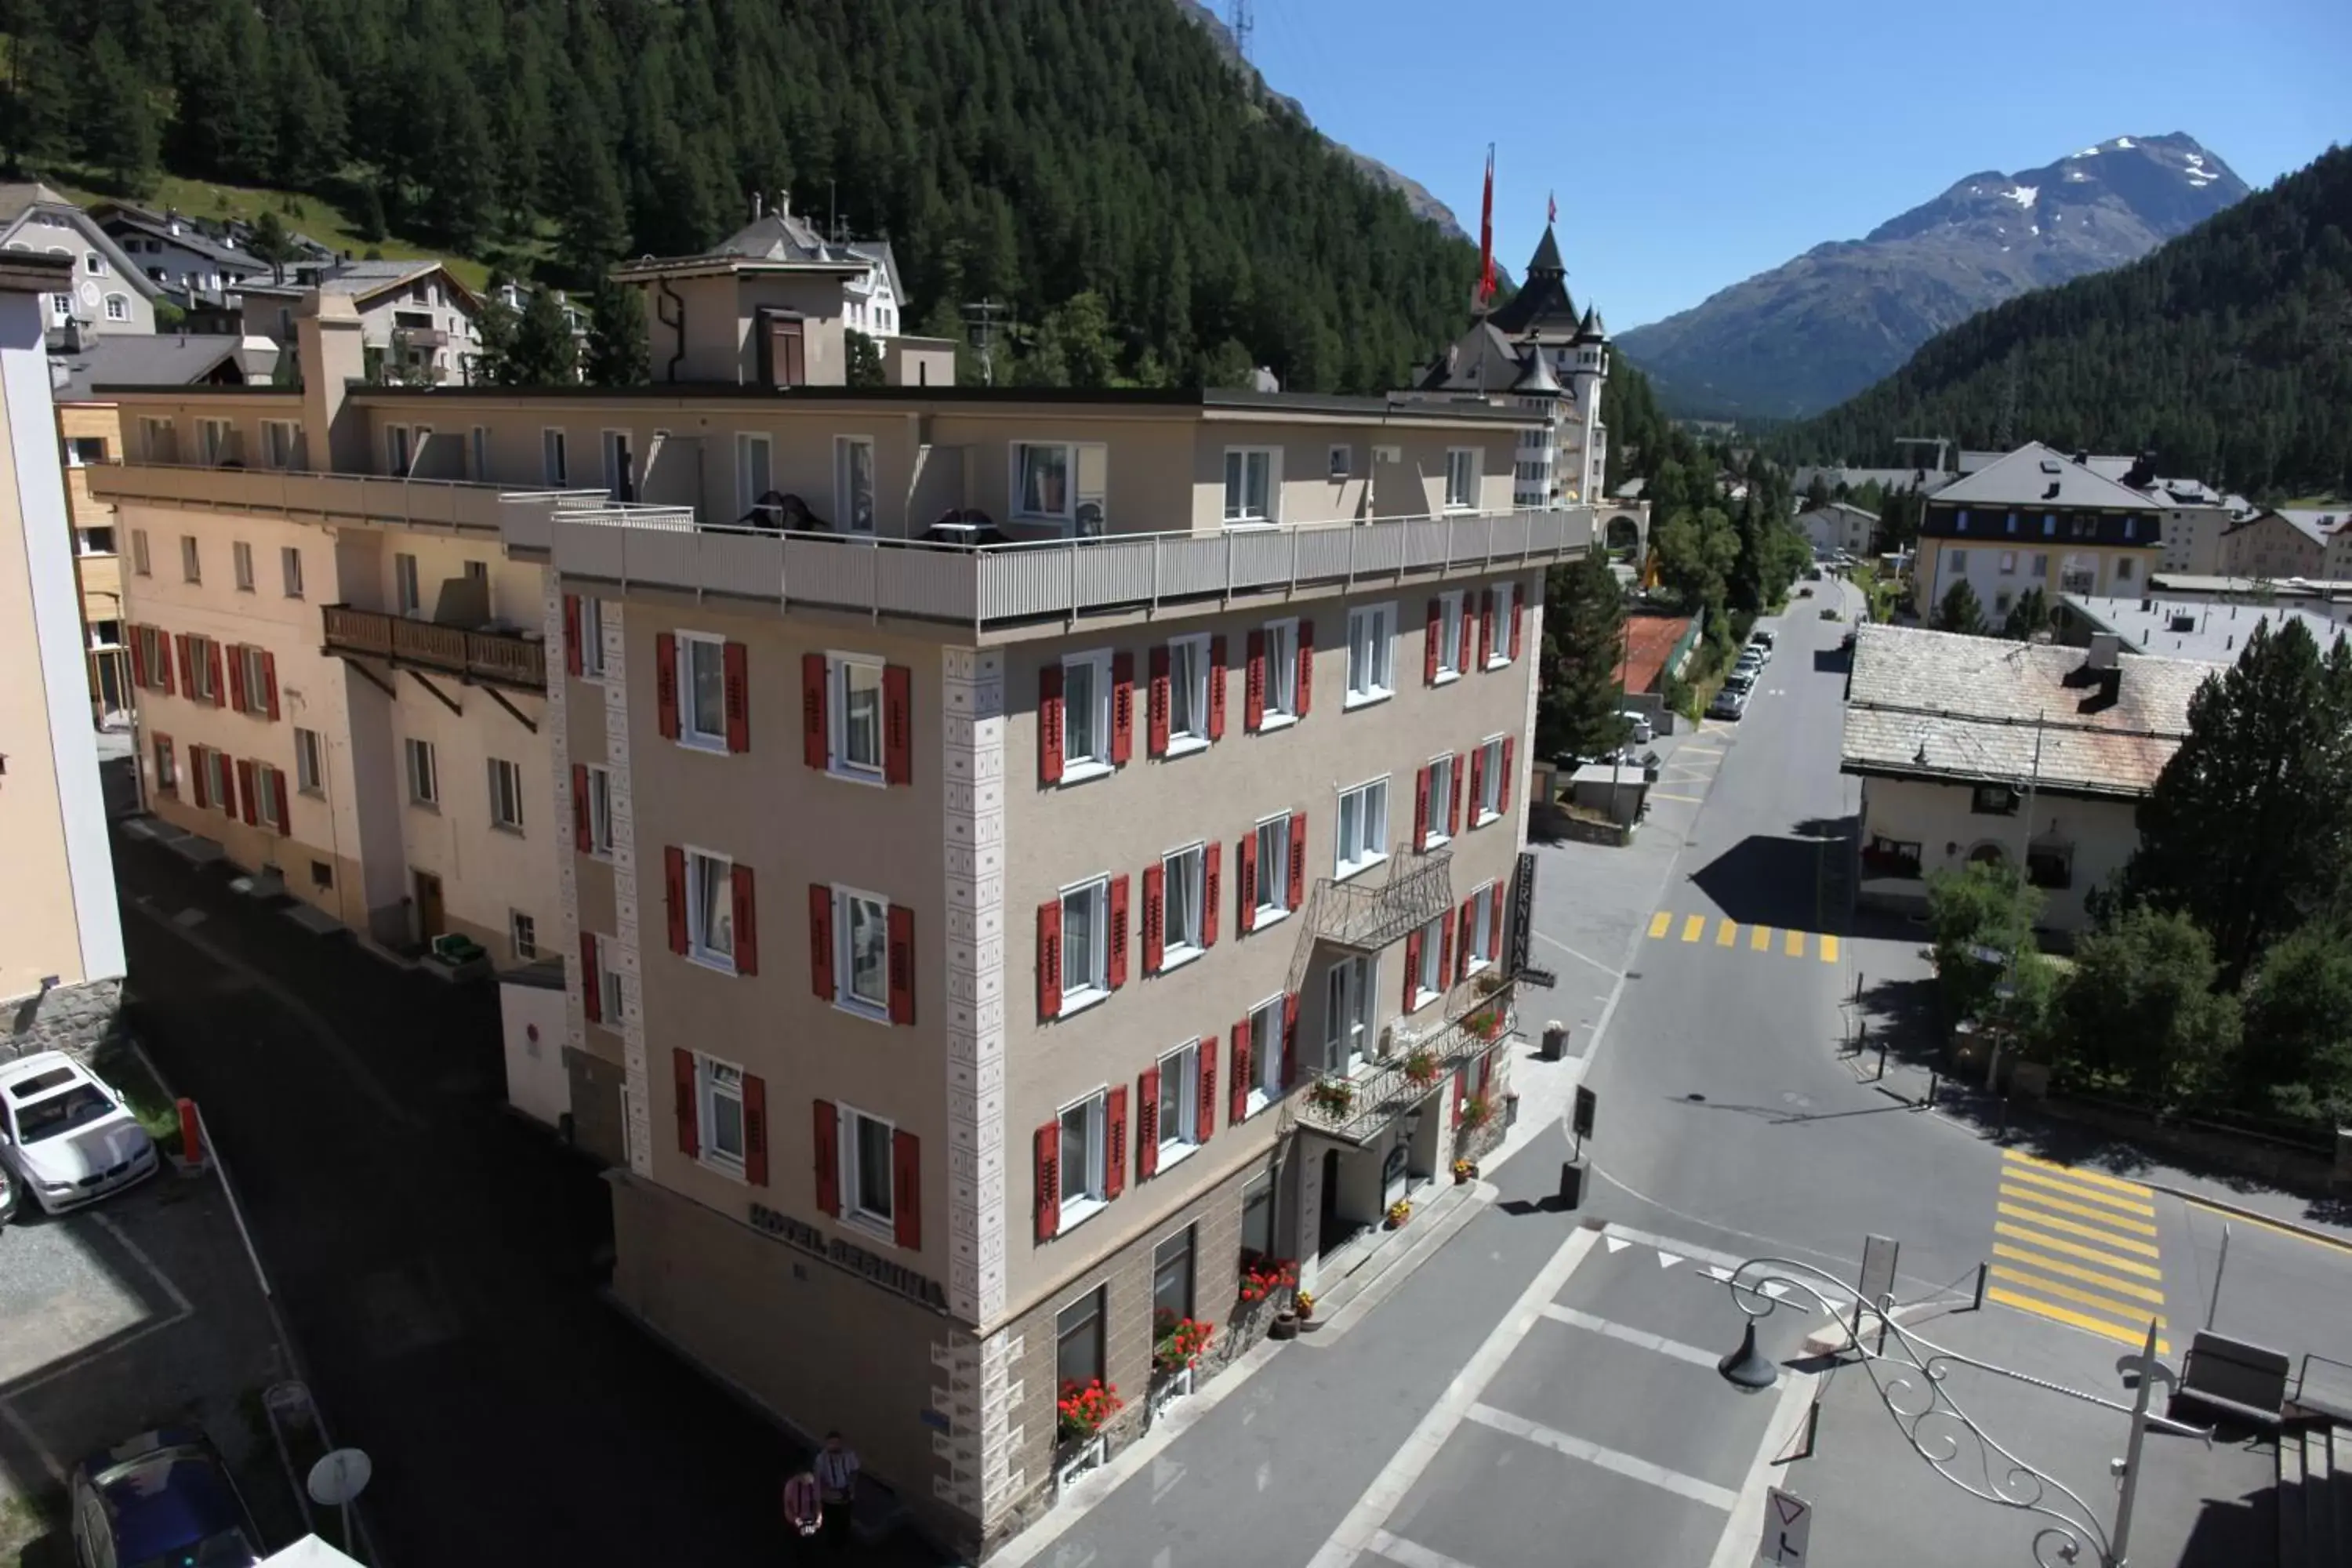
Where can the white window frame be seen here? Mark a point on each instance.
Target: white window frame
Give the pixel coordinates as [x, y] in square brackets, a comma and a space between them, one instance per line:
[253, 668]
[191, 560]
[1092, 1193]
[1079, 992]
[220, 780]
[609, 1001]
[289, 570]
[423, 769]
[310, 762]
[1094, 764]
[1341, 461]
[600, 811]
[1506, 607]
[525, 946]
[1238, 511]
[843, 510]
[141, 565]
[1484, 905]
[407, 591]
[506, 795]
[158, 442]
[617, 451]
[216, 440]
[1272, 871]
[1450, 611]
[715, 1081]
[839, 667]
[265, 807]
[703, 868]
[1266, 1054]
[1430, 983]
[1378, 683]
[1488, 807]
[167, 766]
[1343, 866]
[747, 490]
[1441, 799]
[1348, 1035]
[1281, 674]
[1019, 512]
[277, 443]
[1191, 864]
[200, 667]
[592, 638]
[554, 458]
[1194, 687]
[1184, 1136]
[240, 560]
[117, 307]
[690, 732]
[400, 449]
[881, 1224]
[844, 959]
[1462, 466]
[94, 263]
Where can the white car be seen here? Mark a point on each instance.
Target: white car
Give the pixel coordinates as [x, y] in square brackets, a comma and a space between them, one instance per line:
[1638, 728]
[65, 1135]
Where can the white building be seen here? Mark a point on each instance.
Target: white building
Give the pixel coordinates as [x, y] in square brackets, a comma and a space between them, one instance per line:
[104, 291]
[1840, 526]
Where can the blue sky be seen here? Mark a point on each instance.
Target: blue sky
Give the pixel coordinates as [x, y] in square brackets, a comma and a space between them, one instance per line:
[1694, 144]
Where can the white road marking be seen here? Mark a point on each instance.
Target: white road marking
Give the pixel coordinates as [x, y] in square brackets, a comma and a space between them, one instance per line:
[1633, 1336]
[1626, 1465]
[1354, 1536]
[1580, 958]
[1412, 1554]
[1735, 1548]
[1668, 1259]
[1618, 1244]
[1723, 1259]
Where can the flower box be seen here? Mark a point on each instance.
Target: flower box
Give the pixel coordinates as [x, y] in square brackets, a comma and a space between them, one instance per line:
[1073, 1460]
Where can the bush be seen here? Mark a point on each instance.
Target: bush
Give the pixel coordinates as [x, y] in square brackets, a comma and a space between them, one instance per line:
[2141, 1004]
[1978, 906]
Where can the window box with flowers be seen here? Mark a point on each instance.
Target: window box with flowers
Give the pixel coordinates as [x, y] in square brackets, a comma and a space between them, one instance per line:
[1334, 1097]
[1080, 1415]
[1422, 1066]
[1178, 1343]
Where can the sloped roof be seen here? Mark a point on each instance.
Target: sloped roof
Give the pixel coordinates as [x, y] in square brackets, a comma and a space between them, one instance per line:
[1543, 304]
[2024, 478]
[126, 359]
[16, 197]
[1940, 706]
[2213, 633]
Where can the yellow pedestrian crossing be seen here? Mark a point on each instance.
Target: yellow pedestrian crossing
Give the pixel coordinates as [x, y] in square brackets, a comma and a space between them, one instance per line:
[1660, 921]
[1726, 933]
[1693, 929]
[2078, 1248]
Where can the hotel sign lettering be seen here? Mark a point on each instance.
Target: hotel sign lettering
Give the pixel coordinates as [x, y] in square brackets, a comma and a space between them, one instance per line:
[847, 1255]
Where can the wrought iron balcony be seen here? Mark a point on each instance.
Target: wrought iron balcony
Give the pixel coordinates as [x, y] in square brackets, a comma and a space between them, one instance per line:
[1359, 1106]
[1364, 916]
[489, 658]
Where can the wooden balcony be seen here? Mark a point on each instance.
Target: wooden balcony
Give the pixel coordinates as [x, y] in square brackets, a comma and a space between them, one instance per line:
[486, 658]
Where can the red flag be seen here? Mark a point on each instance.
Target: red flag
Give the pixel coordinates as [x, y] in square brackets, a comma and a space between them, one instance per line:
[1487, 235]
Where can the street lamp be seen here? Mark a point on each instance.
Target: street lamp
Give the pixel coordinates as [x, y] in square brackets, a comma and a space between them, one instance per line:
[1932, 1420]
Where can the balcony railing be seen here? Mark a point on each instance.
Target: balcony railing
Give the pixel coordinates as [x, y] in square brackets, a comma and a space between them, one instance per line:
[987, 584]
[1357, 1106]
[494, 658]
[366, 498]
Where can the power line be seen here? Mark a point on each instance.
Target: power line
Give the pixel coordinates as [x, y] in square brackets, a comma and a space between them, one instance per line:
[1243, 24]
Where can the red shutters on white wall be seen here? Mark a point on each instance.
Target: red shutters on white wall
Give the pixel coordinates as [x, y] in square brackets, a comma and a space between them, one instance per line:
[666, 684]
[1047, 1153]
[1049, 723]
[583, 837]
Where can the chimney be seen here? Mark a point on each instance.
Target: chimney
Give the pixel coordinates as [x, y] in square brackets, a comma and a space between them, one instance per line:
[332, 355]
[2106, 649]
[757, 202]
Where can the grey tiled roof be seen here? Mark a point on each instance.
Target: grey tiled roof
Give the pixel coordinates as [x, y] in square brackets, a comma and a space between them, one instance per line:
[131, 359]
[1938, 705]
[2024, 478]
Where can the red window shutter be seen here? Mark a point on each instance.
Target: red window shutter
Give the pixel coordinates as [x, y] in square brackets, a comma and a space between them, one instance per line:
[1289, 1040]
[1462, 941]
[737, 662]
[1147, 1124]
[187, 664]
[213, 662]
[277, 793]
[902, 965]
[1461, 1092]
[1212, 860]
[1486, 626]
[138, 655]
[1246, 884]
[898, 724]
[681, 1082]
[1253, 685]
[1518, 620]
[236, 698]
[1237, 1069]
[1208, 1111]
[906, 1190]
[1158, 737]
[816, 739]
[592, 997]
[1453, 811]
[1485, 1074]
[1049, 958]
[269, 684]
[755, 1130]
[1431, 643]
[1478, 781]
[1049, 1180]
[674, 884]
[1297, 861]
[1305, 667]
[1411, 970]
[1444, 951]
[666, 684]
[1049, 723]
[582, 833]
[1114, 1141]
[164, 660]
[1155, 933]
[1217, 688]
[197, 767]
[747, 923]
[246, 790]
[1122, 709]
[825, 1128]
[1421, 808]
[572, 663]
[820, 907]
[1117, 964]
[1503, 790]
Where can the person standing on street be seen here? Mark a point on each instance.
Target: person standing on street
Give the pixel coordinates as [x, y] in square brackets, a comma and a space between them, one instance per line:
[803, 1505]
[836, 1477]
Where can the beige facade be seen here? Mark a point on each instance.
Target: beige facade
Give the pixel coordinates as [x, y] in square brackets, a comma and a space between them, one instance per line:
[2274, 547]
[2073, 844]
[91, 433]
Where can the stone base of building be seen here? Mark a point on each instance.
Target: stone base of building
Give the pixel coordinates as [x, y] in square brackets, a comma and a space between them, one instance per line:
[75, 1019]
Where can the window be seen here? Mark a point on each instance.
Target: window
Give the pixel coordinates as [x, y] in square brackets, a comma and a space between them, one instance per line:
[620, 466]
[1181, 895]
[1489, 773]
[2050, 866]
[220, 780]
[1343, 460]
[95, 262]
[853, 482]
[278, 443]
[2123, 568]
[1273, 870]
[1485, 913]
[554, 470]
[151, 652]
[2041, 565]
[1041, 481]
[523, 932]
[1371, 653]
[240, 556]
[1265, 1053]
[158, 441]
[866, 1172]
[1172, 1280]
[201, 651]
[289, 570]
[478, 571]
[1449, 636]
[754, 471]
[1348, 1011]
[407, 600]
[1993, 800]
[1085, 716]
[309, 759]
[95, 540]
[2008, 562]
[1082, 1157]
[253, 674]
[117, 308]
[139, 562]
[1178, 1115]
[1441, 800]
[192, 566]
[322, 876]
[1078, 1328]
[710, 909]
[61, 305]
[1188, 693]
[1281, 673]
[592, 638]
[702, 689]
[167, 767]
[424, 774]
[1960, 562]
[1086, 949]
[506, 795]
[609, 1000]
[1249, 484]
[720, 1086]
[105, 634]
[1431, 979]
[1499, 636]
[854, 708]
[861, 968]
[398, 450]
[1363, 827]
[599, 810]
[478, 454]
[1257, 1219]
[1462, 479]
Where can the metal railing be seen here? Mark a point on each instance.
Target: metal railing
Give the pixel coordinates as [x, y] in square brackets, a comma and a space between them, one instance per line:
[1356, 914]
[1357, 1106]
[500, 659]
[369, 498]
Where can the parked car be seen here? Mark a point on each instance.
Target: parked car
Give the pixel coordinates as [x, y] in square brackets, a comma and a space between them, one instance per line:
[8, 1195]
[163, 1497]
[1730, 702]
[1638, 728]
[65, 1135]
[1766, 638]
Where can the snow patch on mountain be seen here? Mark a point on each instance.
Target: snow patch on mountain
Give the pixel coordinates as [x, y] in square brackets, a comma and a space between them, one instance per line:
[2126, 143]
[2023, 194]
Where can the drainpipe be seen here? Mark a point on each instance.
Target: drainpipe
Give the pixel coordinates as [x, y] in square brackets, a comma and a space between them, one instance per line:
[677, 325]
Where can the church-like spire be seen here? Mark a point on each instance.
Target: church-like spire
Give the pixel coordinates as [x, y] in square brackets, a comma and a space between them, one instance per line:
[1546, 257]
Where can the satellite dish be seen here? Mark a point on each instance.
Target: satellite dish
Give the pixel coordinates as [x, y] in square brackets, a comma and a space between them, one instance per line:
[339, 1476]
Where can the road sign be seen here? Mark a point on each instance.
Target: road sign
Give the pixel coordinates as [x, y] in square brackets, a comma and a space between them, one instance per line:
[1586, 1103]
[1788, 1529]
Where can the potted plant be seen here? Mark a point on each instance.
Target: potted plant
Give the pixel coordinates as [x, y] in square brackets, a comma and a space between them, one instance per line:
[1399, 1212]
[1465, 1171]
[1334, 1097]
[1265, 1278]
[1486, 1021]
[1475, 1113]
[1179, 1343]
[1085, 1409]
[1422, 1066]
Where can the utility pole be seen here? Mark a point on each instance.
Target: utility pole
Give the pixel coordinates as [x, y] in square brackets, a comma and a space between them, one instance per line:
[1243, 24]
[983, 317]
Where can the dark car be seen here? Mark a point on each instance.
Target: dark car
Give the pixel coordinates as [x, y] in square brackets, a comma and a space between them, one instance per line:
[161, 1500]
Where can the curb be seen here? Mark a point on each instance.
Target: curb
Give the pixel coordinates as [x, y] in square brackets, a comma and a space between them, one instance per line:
[2308, 1232]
